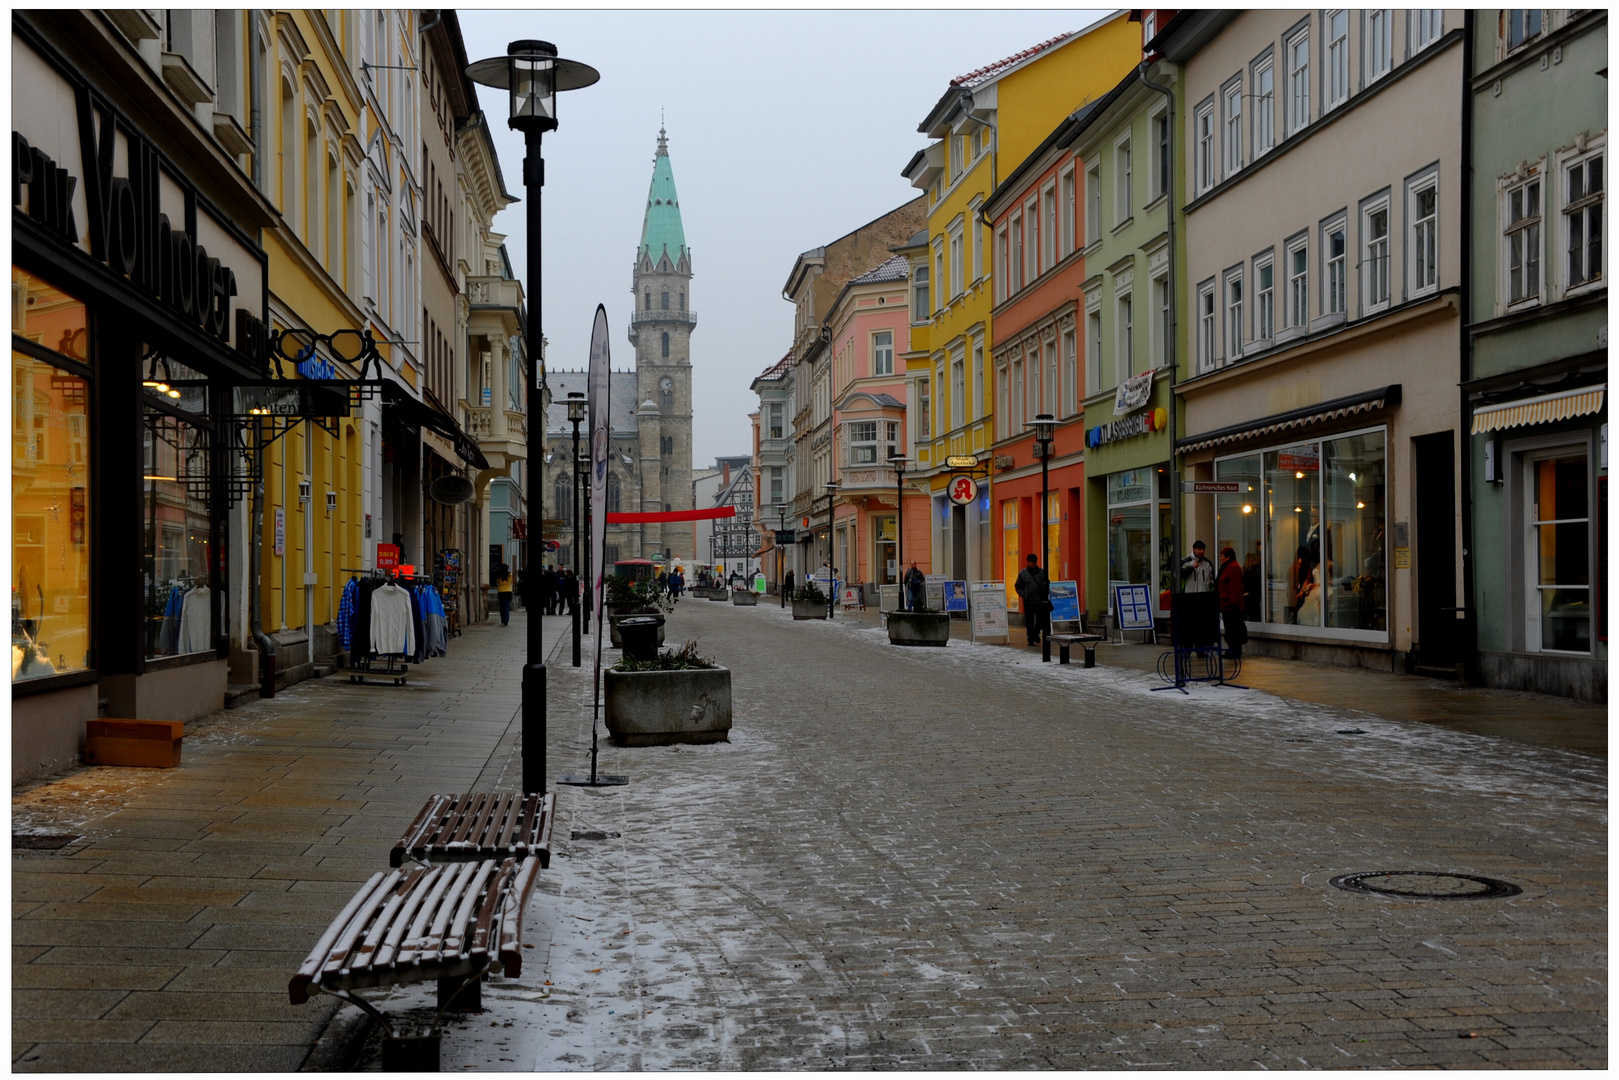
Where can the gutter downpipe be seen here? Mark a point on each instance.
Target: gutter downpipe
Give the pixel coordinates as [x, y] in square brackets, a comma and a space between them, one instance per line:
[255, 563]
[1170, 343]
[1469, 635]
[255, 117]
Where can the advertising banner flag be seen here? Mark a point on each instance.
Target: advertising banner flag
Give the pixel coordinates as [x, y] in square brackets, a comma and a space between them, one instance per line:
[598, 404]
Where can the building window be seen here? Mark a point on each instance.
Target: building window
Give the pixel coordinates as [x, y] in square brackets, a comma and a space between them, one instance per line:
[958, 276]
[664, 302]
[1093, 204]
[1031, 373]
[649, 299]
[1121, 178]
[1002, 291]
[1298, 285]
[882, 353]
[920, 312]
[1426, 26]
[1124, 339]
[1002, 392]
[1233, 314]
[1014, 264]
[1014, 419]
[1379, 42]
[924, 396]
[1298, 81]
[1264, 300]
[1337, 57]
[665, 344]
[1205, 325]
[1523, 242]
[1559, 534]
[1335, 253]
[1422, 211]
[1264, 109]
[1068, 209]
[1049, 390]
[1093, 351]
[1582, 220]
[978, 377]
[1375, 255]
[1161, 324]
[863, 442]
[776, 485]
[1521, 26]
[1233, 128]
[1031, 241]
[1070, 372]
[958, 390]
[1204, 122]
[938, 271]
[1048, 231]
[977, 272]
[1161, 154]
[955, 142]
[777, 428]
[563, 492]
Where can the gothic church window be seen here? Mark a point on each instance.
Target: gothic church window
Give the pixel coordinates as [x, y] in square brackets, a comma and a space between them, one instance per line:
[666, 344]
[649, 299]
[564, 500]
[612, 493]
[665, 300]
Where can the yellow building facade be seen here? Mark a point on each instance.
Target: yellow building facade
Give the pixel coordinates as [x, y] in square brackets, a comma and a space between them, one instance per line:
[983, 127]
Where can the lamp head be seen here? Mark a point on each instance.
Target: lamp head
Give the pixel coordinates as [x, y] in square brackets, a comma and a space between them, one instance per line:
[1045, 425]
[532, 74]
[898, 462]
[576, 406]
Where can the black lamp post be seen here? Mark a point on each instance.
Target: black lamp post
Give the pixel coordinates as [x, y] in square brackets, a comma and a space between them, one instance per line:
[898, 461]
[576, 416]
[781, 559]
[1045, 425]
[831, 588]
[532, 74]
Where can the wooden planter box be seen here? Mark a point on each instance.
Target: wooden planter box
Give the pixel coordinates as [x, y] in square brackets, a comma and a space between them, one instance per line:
[919, 628]
[809, 609]
[659, 708]
[743, 598]
[151, 744]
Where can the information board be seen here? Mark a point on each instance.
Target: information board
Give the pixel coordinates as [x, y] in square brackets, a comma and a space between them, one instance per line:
[1133, 603]
[887, 598]
[988, 605]
[1065, 601]
[955, 596]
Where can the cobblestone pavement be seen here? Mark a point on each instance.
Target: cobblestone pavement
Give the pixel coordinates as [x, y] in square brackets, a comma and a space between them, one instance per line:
[904, 858]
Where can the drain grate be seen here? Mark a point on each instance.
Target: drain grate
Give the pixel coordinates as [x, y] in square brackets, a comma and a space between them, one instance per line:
[1425, 885]
[594, 834]
[41, 841]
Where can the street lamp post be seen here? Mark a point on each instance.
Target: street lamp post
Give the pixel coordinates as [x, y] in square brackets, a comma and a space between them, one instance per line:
[898, 461]
[1044, 426]
[831, 492]
[576, 416]
[781, 560]
[532, 74]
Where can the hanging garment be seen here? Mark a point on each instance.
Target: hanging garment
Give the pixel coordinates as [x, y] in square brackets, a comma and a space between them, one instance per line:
[196, 621]
[420, 652]
[345, 613]
[432, 622]
[168, 634]
[392, 627]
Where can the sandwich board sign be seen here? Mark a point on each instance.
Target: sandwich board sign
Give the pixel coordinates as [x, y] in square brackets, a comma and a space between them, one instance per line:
[987, 601]
[1064, 601]
[1133, 603]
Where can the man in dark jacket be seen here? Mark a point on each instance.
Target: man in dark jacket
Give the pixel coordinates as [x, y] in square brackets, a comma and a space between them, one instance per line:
[1033, 587]
[1228, 584]
[916, 585]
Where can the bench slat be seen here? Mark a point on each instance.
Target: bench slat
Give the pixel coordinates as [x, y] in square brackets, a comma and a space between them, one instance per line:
[299, 987]
[470, 827]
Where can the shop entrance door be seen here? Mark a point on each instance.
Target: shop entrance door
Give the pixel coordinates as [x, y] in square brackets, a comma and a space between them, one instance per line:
[958, 543]
[1434, 555]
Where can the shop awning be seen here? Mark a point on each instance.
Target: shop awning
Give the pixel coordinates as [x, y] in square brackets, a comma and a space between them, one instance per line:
[1539, 410]
[424, 415]
[1310, 415]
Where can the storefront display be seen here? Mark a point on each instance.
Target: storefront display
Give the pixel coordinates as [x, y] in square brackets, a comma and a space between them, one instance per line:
[1139, 546]
[1308, 526]
[178, 537]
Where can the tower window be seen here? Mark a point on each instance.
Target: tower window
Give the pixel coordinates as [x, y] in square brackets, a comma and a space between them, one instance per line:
[666, 339]
[649, 299]
[665, 301]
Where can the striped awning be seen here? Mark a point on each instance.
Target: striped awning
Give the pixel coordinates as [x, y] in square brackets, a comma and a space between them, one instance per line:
[1538, 410]
[1327, 411]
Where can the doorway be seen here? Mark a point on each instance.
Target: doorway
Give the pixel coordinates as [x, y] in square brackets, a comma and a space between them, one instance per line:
[1434, 553]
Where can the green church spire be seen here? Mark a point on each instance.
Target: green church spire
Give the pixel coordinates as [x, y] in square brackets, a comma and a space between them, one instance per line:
[661, 229]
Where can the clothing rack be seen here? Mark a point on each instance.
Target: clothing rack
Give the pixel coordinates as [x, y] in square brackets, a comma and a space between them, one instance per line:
[392, 666]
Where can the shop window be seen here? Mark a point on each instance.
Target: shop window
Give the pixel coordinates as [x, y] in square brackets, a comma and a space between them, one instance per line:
[1560, 544]
[177, 535]
[1011, 555]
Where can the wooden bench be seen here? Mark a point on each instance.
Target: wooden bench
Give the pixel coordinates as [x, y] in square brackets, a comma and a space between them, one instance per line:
[458, 828]
[1088, 642]
[454, 922]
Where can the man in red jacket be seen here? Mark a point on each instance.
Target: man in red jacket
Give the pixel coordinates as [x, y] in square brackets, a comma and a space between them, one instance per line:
[1228, 584]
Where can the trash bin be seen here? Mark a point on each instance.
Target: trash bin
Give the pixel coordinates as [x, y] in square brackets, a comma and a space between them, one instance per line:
[640, 636]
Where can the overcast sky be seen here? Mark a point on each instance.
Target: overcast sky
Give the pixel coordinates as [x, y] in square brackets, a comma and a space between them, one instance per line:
[787, 129]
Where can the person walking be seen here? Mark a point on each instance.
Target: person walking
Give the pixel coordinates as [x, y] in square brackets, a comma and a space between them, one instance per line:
[1197, 572]
[1232, 607]
[916, 588]
[503, 592]
[1033, 587]
[788, 582]
[548, 590]
[570, 590]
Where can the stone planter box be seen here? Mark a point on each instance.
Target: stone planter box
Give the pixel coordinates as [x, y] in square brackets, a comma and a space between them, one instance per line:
[743, 598]
[719, 592]
[918, 628]
[612, 627]
[659, 708]
[809, 609]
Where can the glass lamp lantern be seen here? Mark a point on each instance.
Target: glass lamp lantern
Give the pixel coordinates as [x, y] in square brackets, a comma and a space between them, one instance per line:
[532, 74]
[1045, 426]
[576, 407]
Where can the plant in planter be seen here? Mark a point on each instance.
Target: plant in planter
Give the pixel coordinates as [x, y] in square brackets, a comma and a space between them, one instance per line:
[919, 626]
[626, 597]
[679, 697]
[809, 602]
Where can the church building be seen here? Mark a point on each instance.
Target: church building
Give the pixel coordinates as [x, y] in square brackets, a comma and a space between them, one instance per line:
[650, 429]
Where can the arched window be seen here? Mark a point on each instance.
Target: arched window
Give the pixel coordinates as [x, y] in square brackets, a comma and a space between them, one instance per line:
[665, 344]
[564, 500]
[649, 299]
[682, 299]
[612, 493]
[665, 300]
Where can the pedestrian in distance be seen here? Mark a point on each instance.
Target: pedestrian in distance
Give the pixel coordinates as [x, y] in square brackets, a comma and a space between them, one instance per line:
[503, 592]
[548, 590]
[789, 581]
[916, 588]
[1232, 605]
[570, 590]
[1197, 572]
[1033, 587]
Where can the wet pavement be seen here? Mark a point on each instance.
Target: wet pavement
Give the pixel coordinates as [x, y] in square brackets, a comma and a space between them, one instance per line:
[904, 858]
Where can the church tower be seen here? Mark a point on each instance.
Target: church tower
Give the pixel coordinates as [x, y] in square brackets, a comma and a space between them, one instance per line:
[660, 330]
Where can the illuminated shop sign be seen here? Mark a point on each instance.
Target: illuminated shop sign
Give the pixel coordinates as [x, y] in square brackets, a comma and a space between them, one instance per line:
[1142, 423]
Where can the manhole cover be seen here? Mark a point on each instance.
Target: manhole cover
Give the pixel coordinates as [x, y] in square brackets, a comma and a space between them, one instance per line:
[40, 841]
[595, 834]
[1423, 885]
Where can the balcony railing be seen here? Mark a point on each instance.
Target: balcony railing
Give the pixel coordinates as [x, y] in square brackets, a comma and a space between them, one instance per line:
[480, 424]
[687, 316]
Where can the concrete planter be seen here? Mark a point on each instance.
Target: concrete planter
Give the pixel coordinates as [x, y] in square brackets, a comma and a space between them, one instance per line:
[809, 609]
[719, 592]
[612, 628]
[658, 708]
[918, 628]
[742, 598]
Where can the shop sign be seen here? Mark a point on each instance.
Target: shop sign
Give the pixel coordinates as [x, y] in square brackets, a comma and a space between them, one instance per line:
[280, 531]
[1299, 459]
[387, 556]
[786, 536]
[519, 528]
[961, 461]
[1132, 394]
[963, 490]
[1141, 423]
[1211, 487]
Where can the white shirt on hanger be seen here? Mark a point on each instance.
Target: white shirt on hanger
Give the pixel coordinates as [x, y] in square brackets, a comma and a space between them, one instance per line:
[393, 630]
[196, 621]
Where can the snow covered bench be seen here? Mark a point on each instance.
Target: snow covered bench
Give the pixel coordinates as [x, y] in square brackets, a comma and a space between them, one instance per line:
[454, 828]
[1066, 642]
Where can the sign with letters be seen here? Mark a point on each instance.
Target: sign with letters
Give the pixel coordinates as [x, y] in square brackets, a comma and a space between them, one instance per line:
[1065, 601]
[1133, 604]
[963, 490]
[987, 601]
[955, 596]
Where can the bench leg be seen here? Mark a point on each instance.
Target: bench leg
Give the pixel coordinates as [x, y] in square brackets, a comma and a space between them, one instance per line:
[1090, 656]
[1062, 654]
[461, 994]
